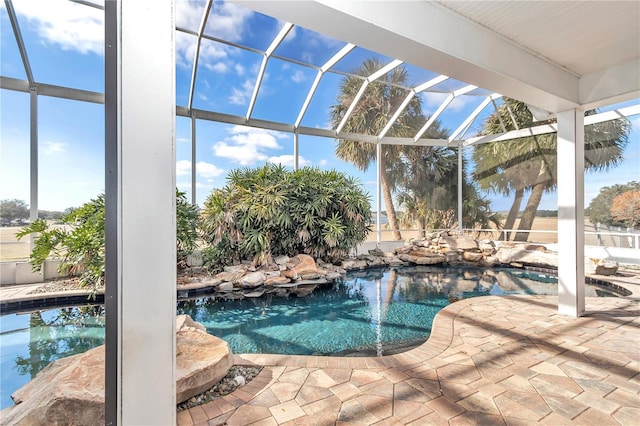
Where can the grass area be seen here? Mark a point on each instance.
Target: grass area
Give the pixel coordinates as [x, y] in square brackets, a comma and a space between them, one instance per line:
[10, 247]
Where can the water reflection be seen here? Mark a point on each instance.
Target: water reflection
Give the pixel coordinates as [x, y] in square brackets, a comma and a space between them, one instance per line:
[30, 341]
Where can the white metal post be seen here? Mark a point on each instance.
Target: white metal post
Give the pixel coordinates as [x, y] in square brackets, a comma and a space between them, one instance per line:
[140, 217]
[571, 213]
[33, 154]
[193, 159]
[295, 150]
[379, 191]
[460, 187]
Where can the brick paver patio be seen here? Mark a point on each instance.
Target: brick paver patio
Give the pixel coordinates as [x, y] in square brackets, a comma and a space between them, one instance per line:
[489, 361]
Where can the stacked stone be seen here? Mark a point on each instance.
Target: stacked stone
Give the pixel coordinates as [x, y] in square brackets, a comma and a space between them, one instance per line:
[301, 274]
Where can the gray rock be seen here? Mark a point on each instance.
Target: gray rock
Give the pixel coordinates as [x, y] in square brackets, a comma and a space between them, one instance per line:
[281, 260]
[350, 264]
[471, 256]
[230, 276]
[526, 254]
[605, 267]
[226, 286]
[252, 280]
[376, 252]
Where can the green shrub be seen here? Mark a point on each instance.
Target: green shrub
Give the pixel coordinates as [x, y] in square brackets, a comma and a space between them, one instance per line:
[270, 211]
[79, 241]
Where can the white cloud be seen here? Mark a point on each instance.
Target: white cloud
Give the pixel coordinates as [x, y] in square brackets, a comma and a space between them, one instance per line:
[180, 140]
[70, 25]
[241, 95]
[323, 163]
[247, 145]
[219, 67]
[51, 148]
[287, 160]
[298, 77]
[203, 169]
[183, 168]
[208, 170]
[227, 21]
[239, 69]
[434, 100]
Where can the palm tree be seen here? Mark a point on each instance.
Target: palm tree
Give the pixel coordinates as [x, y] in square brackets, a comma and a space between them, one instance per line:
[530, 163]
[376, 106]
[429, 192]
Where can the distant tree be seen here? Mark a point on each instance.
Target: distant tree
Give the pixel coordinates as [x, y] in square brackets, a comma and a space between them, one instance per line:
[13, 209]
[599, 210]
[50, 215]
[626, 208]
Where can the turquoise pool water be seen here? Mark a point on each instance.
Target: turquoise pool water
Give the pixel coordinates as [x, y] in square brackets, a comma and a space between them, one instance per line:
[369, 313]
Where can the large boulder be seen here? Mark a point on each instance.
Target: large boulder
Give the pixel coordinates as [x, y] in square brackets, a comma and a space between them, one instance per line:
[201, 359]
[527, 254]
[305, 265]
[70, 391]
[252, 279]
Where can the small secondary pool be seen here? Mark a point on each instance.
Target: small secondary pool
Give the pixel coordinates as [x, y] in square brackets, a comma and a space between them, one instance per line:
[376, 312]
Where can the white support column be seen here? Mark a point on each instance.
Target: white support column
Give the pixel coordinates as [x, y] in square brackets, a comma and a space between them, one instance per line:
[140, 217]
[194, 144]
[295, 150]
[460, 187]
[33, 162]
[571, 213]
[379, 191]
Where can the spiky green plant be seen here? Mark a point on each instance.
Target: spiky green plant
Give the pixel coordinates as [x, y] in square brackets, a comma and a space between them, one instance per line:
[270, 211]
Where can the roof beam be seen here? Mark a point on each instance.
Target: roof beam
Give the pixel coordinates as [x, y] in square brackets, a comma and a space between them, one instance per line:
[373, 77]
[263, 66]
[553, 127]
[615, 84]
[433, 37]
[18, 35]
[196, 55]
[327, 66]
[52, 90]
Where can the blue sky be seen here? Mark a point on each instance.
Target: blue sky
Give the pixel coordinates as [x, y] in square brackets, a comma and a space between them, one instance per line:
[64, 42]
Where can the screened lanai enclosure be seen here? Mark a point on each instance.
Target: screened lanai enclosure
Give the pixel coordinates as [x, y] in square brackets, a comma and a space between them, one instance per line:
[474, 116]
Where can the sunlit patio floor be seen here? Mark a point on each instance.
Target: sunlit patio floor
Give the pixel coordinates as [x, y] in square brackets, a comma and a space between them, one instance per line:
[489, 361]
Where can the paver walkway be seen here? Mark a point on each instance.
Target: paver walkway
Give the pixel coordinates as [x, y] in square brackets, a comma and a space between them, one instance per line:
[489, 361]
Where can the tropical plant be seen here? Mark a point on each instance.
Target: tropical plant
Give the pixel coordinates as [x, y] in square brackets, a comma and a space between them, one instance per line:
[371, 114]
[599, 210]
[626, 208]
[530, 163]
[186, 226]
[428, 187]
[80, 243]
[269, 211]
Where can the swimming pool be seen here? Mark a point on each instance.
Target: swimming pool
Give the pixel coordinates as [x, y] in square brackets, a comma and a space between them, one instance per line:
[369, 313]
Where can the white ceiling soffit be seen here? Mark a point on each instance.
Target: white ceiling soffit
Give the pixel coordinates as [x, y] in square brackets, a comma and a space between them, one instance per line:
[555, 55]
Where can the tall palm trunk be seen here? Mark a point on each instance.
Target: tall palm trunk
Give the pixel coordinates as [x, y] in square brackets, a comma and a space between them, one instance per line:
[388, 201]
[513, 213]
[529, 214]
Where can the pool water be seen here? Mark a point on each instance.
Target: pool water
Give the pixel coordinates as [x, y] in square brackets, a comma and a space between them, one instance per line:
[368, 313]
